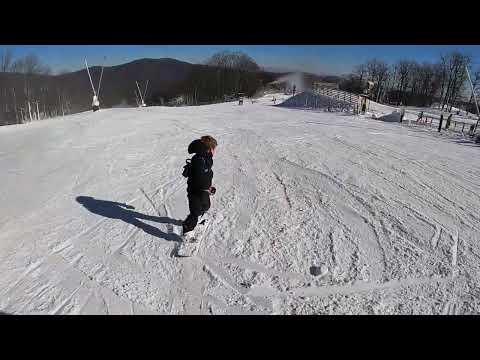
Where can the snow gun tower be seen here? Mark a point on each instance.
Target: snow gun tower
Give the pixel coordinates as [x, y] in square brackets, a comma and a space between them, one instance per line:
[240, 98]
[140, 98]
[364, 99]
[475, 98]
[96, 93]
[137, 100]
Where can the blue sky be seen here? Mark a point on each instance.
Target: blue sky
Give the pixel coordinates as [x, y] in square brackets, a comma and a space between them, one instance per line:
[329, 59]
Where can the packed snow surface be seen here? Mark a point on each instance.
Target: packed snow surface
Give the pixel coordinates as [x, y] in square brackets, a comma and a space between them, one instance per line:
[315, 213]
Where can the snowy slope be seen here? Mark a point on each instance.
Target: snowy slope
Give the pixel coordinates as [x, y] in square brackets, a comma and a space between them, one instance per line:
[388, 214]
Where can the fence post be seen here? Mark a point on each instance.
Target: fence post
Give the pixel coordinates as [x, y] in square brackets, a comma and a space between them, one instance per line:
[440, 125]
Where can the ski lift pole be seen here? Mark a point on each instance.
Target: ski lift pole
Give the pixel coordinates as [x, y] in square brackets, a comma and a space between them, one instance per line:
[146, 87]
[101, 75]
[91, 82]
[136, 97]
[475, 98]
[138, 87]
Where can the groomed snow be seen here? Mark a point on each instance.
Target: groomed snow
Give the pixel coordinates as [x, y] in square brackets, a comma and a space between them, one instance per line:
[387, 214]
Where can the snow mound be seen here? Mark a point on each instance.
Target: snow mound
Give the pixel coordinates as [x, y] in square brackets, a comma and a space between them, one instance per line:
[393, 117]
[308, 99]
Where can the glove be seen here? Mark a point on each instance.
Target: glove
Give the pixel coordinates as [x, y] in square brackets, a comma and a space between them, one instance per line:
[212, 190]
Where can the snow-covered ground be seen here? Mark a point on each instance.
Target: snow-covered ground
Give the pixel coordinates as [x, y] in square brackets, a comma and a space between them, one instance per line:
[388, 214]
[412, 112]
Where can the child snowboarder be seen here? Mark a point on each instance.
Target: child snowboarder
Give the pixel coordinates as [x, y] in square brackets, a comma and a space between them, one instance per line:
[199, 173]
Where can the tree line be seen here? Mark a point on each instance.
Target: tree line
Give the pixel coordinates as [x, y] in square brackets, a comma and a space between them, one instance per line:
[225, 75]
[409, 82]
[27, 91]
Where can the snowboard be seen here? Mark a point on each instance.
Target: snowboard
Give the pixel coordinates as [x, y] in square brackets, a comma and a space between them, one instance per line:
[191, 242]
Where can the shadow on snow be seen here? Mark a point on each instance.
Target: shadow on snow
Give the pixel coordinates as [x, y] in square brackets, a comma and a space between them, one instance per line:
[116, 210]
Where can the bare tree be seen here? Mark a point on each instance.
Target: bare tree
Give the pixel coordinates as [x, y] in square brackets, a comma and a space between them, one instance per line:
[226, 73]
[18, 66]
[32, 65]
[414, 83]
[403, 78]
[435, 82]
[378, 71]
[426, 82]
[35, 91]
[233, 60]
[360, 71]
[414, 78]
[457, 64]
[6, 59]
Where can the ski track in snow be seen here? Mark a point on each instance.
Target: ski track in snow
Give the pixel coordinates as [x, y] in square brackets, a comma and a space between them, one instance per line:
[391, 220]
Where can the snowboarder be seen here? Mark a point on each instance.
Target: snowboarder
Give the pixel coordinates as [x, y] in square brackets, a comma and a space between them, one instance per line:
[95, 103]
[199, 173]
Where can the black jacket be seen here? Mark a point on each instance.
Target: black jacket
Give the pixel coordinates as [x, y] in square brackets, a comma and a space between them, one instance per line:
[201, 171]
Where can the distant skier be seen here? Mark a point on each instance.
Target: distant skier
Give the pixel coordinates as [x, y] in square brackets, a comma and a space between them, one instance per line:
[402, 112]
[364, 106]
[449, 120]
[294, 89]
[420, 117]
[95, 103]
[199, 173]
[471, 132]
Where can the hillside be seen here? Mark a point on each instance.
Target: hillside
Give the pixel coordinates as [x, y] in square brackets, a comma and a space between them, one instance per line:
[165, 76]
[168, 78]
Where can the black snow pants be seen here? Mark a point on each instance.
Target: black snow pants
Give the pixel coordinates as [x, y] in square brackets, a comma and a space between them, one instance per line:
[199, 203]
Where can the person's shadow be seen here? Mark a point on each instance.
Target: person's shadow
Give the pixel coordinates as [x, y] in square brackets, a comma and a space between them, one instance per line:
[116, 210]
